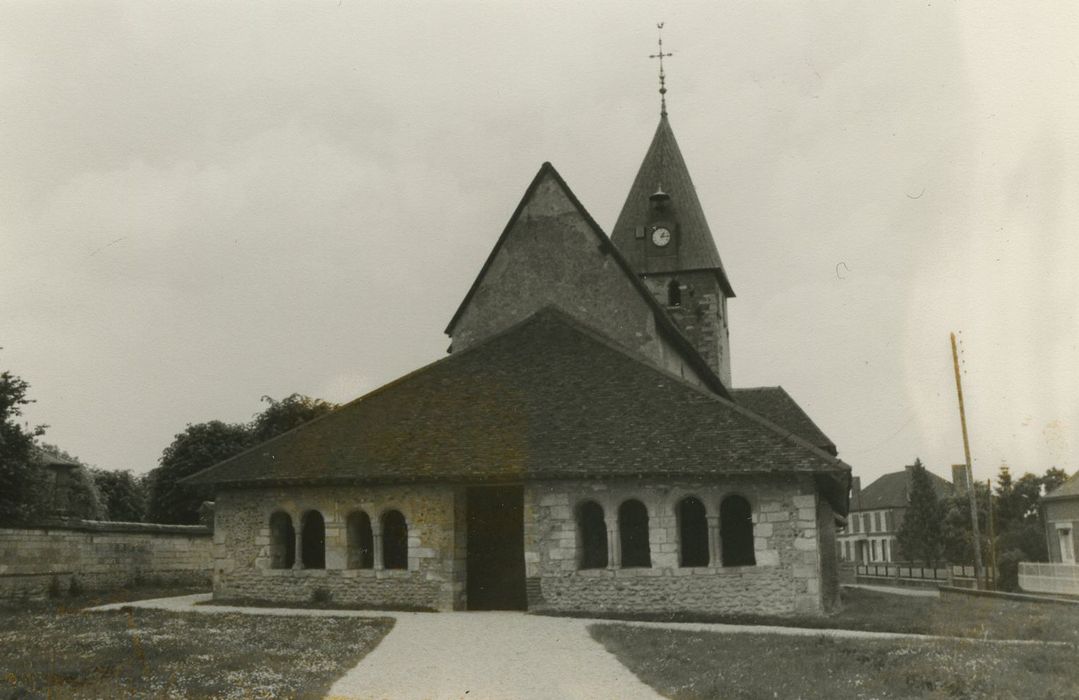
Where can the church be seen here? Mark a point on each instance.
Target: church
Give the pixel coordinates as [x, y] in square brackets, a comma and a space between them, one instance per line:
[582, 448]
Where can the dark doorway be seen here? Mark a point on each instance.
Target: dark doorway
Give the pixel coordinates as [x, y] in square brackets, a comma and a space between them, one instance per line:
[496, 559]
[313, 541]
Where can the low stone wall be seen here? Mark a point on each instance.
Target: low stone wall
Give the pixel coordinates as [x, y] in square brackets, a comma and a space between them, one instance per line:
[53, 558]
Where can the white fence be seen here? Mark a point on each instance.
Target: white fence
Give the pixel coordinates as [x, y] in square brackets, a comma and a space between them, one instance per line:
[1049, 578]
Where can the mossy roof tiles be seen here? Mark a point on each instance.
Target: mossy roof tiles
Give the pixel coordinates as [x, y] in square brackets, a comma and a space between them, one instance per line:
[547, 398]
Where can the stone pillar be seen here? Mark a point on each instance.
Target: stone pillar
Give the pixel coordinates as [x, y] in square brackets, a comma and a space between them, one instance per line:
[376, 537]
[298, 563]
[614, 548]
[715, 546]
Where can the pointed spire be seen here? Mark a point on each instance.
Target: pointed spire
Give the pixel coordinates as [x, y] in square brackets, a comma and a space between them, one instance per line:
[665, 170]
[662, 75]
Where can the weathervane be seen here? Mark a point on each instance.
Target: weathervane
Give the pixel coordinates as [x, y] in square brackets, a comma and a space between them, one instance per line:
[662, 76]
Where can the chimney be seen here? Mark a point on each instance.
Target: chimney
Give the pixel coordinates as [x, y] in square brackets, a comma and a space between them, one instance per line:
[959, 478]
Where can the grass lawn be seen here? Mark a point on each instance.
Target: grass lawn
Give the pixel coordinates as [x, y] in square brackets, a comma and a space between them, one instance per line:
[952, 616]
[682, 664]
[58, 650]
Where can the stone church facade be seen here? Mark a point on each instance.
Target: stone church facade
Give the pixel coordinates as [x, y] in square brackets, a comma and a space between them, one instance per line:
[581, 449]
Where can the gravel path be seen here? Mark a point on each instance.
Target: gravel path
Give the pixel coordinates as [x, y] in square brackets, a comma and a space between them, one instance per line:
[490, 655]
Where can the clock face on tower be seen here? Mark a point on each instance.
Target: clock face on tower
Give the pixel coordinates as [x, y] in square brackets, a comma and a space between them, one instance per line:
[661, 236]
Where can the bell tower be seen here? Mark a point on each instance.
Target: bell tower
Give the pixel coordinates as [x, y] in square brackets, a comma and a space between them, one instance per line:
[663, 233]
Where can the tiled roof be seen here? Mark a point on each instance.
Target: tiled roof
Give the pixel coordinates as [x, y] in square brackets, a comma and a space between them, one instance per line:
[662, 319]
[547, 398]
[1069, 488]
[775, 404]
[663, 167]
[890, 491]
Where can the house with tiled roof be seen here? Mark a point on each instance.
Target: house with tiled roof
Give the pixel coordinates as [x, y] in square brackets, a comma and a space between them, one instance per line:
[581, 449]
[876, 514]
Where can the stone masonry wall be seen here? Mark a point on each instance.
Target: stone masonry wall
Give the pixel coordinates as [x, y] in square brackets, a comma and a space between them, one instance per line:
[37, 561]
[785, 580]
[242, 547]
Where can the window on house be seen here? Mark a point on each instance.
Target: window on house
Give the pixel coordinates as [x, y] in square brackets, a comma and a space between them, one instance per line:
[394, 540]
[633, 531]
[736, 532]
[361, 543]
[282, 541]
[865, 522]
[692, 533]
[873, 551]
[856, 522]
[313, 541]
[889, 521]
[593, 536]
[876, 522]
[674, 293]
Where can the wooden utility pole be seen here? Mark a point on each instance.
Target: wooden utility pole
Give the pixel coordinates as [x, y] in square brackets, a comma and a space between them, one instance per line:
[991, 573]
[971, 485]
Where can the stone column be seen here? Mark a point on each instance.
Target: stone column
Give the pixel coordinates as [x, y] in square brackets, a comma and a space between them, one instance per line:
[298, 563]
[376, 537]
[614, 548]
[715, 547]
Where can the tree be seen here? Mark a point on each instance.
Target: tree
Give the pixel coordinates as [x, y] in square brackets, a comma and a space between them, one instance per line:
[84, 499]
[199, 446]
[18, 473]
[919, 536]
[205, 444]
[123, 496]
[284, 415]
[1054, 477]
[957, 536]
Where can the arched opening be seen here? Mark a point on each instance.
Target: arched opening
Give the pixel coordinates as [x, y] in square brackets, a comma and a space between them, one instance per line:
[633, 532]
[361, 543]
[592, 530]
[692, 533]
[282, 541]
[674, 293]
[736, 532]
[394, 540]
[313, 541]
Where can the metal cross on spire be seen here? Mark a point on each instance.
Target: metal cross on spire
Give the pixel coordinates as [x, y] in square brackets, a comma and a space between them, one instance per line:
[662, 76]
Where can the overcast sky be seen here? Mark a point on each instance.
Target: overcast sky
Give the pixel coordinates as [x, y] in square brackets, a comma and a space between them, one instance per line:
[205, 203]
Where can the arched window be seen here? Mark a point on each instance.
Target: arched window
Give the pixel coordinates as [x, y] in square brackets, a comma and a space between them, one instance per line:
[592, 536]
[736, 531]
[361, 543]
[282, 541]
[692, 533]
[313, 541]
[633, 532]
[674, 293]
[394, 540]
